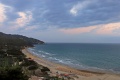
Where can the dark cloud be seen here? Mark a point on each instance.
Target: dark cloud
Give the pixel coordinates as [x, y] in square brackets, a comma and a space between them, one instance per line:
[57, 12]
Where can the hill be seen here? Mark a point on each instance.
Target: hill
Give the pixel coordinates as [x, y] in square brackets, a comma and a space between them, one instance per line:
[17, 40]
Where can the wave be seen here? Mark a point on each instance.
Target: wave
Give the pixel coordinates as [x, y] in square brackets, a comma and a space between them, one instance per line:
[69, 62]
[31, 49]
[45, 53]
[73, 64]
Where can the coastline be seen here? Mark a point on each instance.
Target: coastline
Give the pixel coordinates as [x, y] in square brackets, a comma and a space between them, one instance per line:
[82, 74]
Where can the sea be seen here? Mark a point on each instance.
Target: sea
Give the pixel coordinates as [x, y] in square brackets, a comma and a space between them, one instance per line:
[100, 57]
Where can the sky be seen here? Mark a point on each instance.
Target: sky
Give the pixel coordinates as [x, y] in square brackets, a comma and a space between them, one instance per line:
[65, 21]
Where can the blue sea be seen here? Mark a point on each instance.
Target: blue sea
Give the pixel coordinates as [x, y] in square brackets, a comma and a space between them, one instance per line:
[84, 56]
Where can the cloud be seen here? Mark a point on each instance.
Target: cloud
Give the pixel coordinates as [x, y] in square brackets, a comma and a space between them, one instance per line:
[85, 13]
[79, 7]
[103, 29]
[109, 29]
[31, 27]
[23, 20]
[78, 30]
[3, 11]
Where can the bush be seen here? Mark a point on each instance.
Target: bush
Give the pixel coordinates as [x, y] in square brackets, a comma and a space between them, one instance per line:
[32, 67]
[12, 73]
[44, 69]
[27, 62]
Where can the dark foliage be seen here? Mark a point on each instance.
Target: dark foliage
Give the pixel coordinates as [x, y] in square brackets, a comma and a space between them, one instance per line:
[44, 69]
[28, 62]
[12, 74]
[32, 67]
[8, 69]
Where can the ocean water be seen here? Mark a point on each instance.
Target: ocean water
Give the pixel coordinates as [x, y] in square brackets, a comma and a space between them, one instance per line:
[85, 56]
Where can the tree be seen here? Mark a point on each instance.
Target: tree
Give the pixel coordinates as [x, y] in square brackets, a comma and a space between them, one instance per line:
[12, 73]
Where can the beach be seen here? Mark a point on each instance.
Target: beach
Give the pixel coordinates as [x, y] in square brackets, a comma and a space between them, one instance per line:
[62, 69]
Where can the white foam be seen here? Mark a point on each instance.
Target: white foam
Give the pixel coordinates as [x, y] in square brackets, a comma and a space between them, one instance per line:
[43, 56]
[46, 53]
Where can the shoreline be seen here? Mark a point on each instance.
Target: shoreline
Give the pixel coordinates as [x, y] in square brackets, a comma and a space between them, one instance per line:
[84, 74]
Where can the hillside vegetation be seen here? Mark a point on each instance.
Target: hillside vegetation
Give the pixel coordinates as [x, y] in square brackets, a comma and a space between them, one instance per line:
[17, 40]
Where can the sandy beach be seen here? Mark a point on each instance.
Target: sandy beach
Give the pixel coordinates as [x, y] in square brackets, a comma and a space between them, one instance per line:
[62, 69]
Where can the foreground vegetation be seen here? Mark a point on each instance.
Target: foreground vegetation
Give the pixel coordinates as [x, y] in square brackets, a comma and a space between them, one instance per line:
[15, 66]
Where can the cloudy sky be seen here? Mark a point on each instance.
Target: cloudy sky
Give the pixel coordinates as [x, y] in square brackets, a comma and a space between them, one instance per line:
[75, 21]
